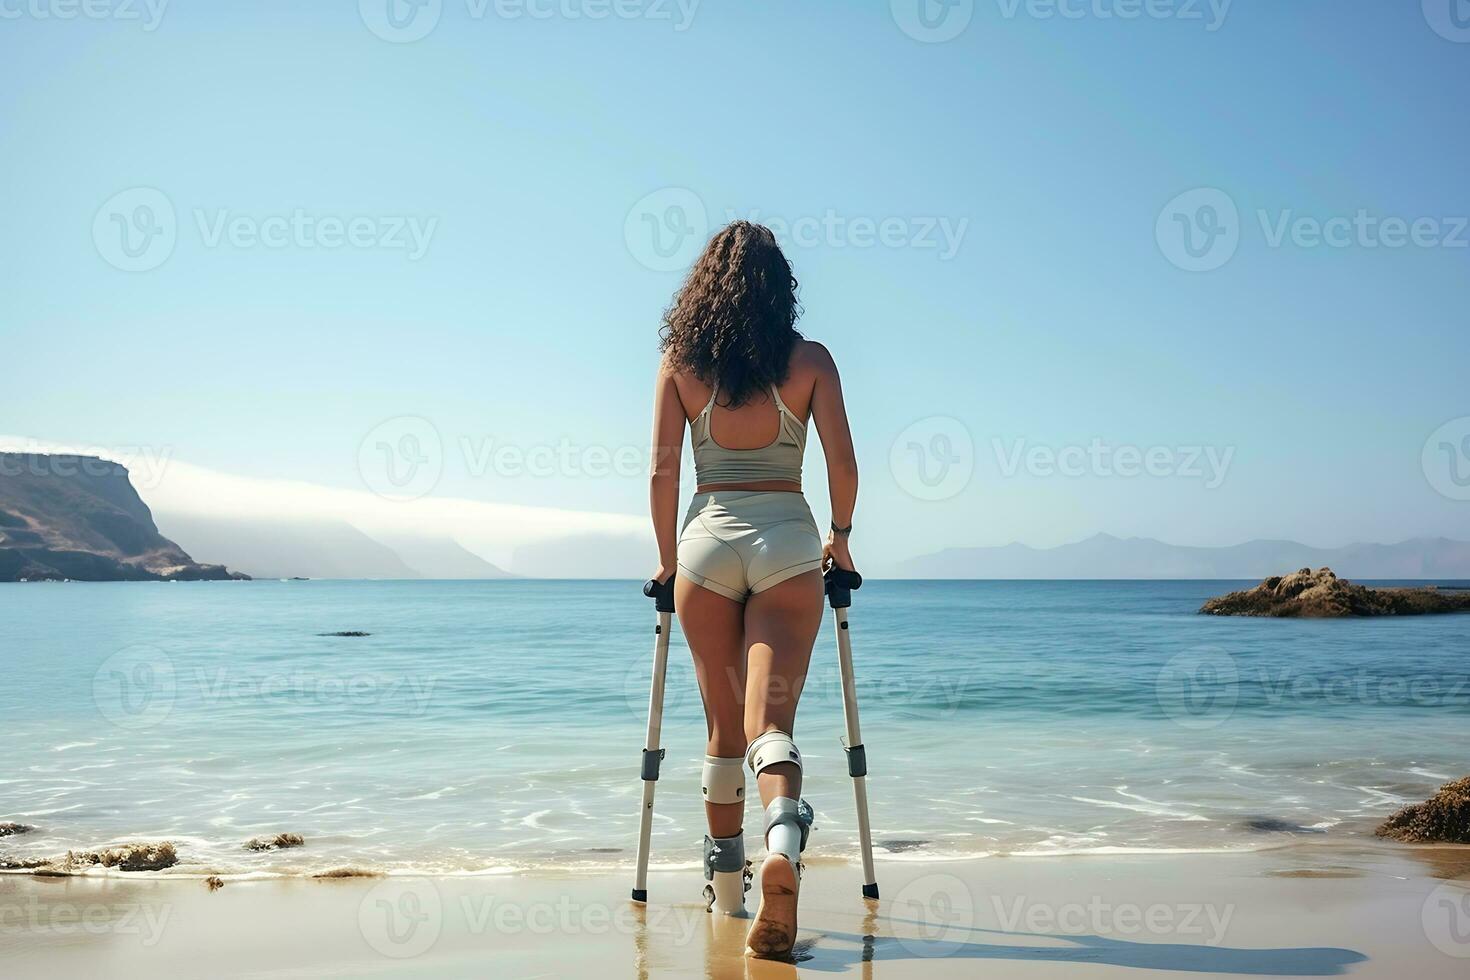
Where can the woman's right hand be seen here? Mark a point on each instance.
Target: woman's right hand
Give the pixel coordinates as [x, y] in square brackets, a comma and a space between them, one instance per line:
[835, 552]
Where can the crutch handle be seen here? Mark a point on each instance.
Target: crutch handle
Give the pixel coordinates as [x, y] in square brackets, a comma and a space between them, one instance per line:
[662, 595]
[840, 584]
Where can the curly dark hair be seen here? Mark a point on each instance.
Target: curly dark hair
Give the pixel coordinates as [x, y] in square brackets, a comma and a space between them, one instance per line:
[733, 322]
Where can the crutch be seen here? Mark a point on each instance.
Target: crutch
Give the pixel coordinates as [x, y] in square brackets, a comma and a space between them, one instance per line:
[840, 584]
[663, 603]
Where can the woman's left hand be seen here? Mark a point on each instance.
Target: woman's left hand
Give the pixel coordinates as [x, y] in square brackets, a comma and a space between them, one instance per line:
[835, 552]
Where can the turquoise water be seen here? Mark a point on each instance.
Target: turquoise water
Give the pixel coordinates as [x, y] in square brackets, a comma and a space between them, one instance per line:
[493, 725]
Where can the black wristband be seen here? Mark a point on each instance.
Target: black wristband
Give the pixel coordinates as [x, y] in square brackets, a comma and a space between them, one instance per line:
[843, 531]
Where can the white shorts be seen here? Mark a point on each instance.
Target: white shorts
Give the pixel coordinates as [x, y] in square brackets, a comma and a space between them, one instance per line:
[739, 542]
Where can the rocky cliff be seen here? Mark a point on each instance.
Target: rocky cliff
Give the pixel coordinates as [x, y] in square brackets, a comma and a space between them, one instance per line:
[79, 517]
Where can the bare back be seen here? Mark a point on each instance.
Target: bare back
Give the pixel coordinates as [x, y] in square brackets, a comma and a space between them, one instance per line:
[757, 423]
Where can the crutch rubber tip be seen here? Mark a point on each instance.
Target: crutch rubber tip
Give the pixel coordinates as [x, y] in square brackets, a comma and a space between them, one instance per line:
[641, 894]
[869, 891]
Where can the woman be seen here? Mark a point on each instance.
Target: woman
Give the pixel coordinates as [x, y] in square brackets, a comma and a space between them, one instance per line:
[748, 554]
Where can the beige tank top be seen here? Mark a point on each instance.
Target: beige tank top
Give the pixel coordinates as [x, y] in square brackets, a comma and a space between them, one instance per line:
[780, 460]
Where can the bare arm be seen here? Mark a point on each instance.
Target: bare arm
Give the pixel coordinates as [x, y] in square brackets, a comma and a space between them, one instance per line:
[830, 414]
[663, 480]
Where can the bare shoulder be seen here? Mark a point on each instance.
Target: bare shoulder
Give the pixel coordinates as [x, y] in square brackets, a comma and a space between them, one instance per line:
[671, 375]
[813, 359]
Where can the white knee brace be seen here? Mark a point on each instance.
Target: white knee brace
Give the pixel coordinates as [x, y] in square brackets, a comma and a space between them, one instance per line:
[771, 749]
[723, 781]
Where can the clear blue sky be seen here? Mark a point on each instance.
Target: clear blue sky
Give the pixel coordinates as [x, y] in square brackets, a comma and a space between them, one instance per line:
[529, 319]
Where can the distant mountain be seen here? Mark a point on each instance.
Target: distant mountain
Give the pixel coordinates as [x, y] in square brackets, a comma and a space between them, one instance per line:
[79, 517]
[323, 549]
[1106, 557]
[440, 557]
[288, 549]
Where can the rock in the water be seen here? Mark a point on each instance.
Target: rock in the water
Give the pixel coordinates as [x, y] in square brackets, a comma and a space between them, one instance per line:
[124, 857]
[1444, 817]
[214, 883]
[21, 864]
[346, 633]
[1275, 825]
[275, 843]
[11, 829]
[1321, 594]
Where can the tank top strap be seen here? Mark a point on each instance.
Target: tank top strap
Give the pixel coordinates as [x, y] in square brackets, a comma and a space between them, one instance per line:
[714, 392]
[780, 405]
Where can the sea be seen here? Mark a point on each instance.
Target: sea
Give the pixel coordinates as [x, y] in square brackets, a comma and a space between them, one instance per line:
[495, 727]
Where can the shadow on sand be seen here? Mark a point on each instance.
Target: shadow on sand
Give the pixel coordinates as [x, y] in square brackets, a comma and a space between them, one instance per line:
[838, 952]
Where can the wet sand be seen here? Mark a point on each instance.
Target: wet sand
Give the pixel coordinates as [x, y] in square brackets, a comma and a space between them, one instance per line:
[1367, 910]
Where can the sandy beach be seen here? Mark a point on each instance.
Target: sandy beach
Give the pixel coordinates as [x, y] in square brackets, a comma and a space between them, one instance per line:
[1369, 910]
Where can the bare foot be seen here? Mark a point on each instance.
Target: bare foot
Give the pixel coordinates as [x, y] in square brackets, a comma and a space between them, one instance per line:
[774, 931]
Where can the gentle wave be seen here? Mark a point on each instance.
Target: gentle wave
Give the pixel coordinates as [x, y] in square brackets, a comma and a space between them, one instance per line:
[482, 727]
